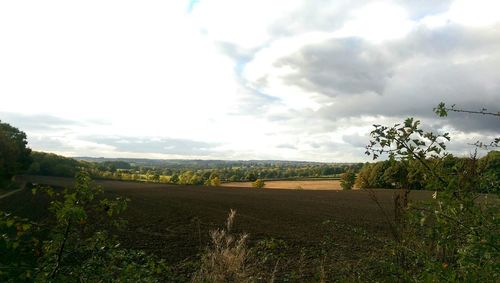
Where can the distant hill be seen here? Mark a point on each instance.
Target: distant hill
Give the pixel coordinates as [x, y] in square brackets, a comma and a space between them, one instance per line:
[199, 163]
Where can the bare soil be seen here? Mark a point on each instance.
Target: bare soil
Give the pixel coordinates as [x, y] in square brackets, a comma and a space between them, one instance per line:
[173, 222]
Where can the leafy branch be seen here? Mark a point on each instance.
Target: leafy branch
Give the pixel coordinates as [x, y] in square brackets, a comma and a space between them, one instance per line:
[442, 111]
[408, 142]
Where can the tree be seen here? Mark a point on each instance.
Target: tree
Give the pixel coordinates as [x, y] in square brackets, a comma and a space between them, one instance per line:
[14, 153]
[347, 180]
[174, 179]
[259, 184]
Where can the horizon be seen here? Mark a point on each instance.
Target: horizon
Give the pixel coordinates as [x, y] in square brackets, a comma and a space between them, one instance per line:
[229, 80]
[223, 160]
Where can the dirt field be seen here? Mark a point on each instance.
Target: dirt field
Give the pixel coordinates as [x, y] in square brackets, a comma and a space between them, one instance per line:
[293, 185]
[174, 221]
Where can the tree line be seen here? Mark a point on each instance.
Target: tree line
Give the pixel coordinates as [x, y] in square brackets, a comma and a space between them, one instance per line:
[50, 164]
[413, 175]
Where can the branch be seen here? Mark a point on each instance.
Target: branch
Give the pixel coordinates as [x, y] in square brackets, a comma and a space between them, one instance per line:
[61, 249]
[483, 111]
[442, 111]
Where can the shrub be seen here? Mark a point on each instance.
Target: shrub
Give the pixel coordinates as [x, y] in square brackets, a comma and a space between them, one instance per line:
[454, 237]
[347, 180]
[259, 184]
[74, 244]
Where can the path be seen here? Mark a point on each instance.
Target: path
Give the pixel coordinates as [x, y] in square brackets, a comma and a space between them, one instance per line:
[23, 185]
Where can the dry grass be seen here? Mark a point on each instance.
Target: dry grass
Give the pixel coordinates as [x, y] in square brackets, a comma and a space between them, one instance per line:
[226, 259]
[297, 185]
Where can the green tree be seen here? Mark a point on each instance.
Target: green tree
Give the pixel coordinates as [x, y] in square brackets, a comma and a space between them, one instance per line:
[174, 179]
[347, 179]
[14, 153]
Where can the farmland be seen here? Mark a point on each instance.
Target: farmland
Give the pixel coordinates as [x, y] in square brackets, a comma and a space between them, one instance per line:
[174, 221]
[291, 184]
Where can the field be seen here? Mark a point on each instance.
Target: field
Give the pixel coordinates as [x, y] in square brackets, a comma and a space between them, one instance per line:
[292, 184]
[174, 221]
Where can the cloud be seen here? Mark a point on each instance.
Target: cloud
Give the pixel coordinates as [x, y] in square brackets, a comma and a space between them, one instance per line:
[38, 122]
[338, 67]
[353, 78]
[421, 9]
[286, 146]
[356, 140]
[170, 146]
[254, 79]
[52, 144]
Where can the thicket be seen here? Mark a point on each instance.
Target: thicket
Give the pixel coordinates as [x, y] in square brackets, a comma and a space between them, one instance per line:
[389, 174]
[74, 243]
[456, 235]
[15, 156]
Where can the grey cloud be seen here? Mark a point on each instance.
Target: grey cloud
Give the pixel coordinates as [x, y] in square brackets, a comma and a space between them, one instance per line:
[356, 140]
[339, 67]
[38, 122]
[446, 41]
[48, 144]
[156, 145]
[286, 146]
[451, 64]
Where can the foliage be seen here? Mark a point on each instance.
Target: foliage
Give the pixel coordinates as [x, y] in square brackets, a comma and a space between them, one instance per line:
[347, 180]
[412, 174]
[75, 244]
[213, 180]
[50, 164]
[14, 153]
[198, 172]
[259, 184]
[17, 247]
[456, 235]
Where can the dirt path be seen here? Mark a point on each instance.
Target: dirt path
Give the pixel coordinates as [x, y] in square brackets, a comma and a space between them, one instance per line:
[23, 185]
[10, 193]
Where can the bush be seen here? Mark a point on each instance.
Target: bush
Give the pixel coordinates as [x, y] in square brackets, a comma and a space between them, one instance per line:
[347, 180]
[74, 244]
[454, 237]
[259, 184]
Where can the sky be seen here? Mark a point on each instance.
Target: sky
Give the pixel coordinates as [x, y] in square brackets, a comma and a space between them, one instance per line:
[228, 79]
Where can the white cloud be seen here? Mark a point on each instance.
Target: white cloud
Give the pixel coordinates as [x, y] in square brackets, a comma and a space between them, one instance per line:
[479, 13]
[244, 23]
[377, 22]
